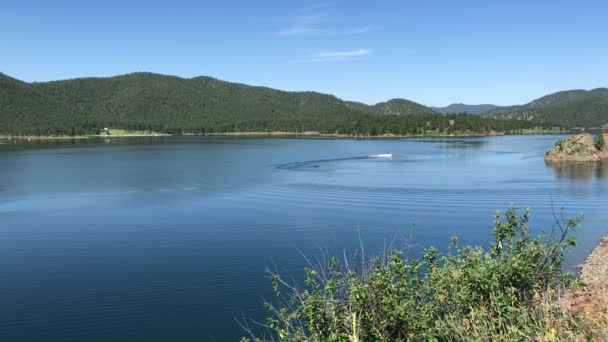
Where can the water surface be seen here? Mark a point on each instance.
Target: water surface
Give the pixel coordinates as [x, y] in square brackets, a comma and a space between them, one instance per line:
[151, 238]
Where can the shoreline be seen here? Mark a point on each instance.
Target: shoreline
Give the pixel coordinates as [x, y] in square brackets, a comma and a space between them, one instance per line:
[69, 137]
[284, 134]
[594, 271]
[591, 301]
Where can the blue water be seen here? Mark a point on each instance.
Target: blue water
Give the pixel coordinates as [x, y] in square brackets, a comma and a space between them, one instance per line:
[157, 238]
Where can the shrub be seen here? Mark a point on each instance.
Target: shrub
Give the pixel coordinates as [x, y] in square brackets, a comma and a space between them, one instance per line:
[599, 141]
[505, 293]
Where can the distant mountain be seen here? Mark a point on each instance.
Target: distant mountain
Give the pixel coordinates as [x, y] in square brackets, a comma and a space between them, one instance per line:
[572, 108]
[464, 108]
[170, 104]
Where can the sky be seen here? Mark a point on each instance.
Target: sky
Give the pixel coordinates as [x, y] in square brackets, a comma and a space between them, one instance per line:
[429, 51]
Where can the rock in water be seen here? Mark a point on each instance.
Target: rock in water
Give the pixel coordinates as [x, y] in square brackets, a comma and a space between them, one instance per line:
[580, 147]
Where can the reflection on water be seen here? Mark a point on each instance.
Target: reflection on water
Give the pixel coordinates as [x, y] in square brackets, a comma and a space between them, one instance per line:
[13, 145]
[580, 170]
[455, 143]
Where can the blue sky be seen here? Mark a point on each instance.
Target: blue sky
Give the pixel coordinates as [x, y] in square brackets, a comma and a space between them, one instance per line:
[432, 52]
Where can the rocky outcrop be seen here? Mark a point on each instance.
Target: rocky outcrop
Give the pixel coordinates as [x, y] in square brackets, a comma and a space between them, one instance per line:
[581, 148]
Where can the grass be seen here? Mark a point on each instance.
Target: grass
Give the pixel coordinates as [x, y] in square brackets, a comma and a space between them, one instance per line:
[126, 133]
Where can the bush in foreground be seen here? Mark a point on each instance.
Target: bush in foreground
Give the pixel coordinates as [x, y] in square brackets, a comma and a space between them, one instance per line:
[510, 292]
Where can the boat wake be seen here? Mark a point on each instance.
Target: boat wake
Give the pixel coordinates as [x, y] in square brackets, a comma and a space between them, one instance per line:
[382, 155]
[309, 164]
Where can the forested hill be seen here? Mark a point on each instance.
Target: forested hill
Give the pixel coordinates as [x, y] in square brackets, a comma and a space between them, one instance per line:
[572, 108]
[169, 104]
[400, 107]
[464, 108]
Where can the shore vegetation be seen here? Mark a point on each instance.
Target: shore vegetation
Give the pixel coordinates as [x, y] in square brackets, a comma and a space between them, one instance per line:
[513, 290]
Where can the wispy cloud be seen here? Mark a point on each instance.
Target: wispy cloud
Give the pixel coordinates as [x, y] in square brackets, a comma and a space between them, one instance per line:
[343, 54]
[356, 30]
[317, 23]
[334, 56]
[303, 24]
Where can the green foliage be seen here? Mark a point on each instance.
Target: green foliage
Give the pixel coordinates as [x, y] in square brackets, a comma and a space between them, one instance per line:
[600, 141]
[468, 293]
[168, 104]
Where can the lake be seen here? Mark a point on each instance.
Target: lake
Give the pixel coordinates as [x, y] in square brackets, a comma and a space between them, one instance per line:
[151, 238]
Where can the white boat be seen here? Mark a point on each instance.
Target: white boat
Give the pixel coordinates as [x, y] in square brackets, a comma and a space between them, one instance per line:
[382, 155]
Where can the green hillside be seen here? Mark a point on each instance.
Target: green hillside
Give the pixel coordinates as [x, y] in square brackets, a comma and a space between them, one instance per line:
[573, 108]
[464, 108]
[401, 107]
[169, 104]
